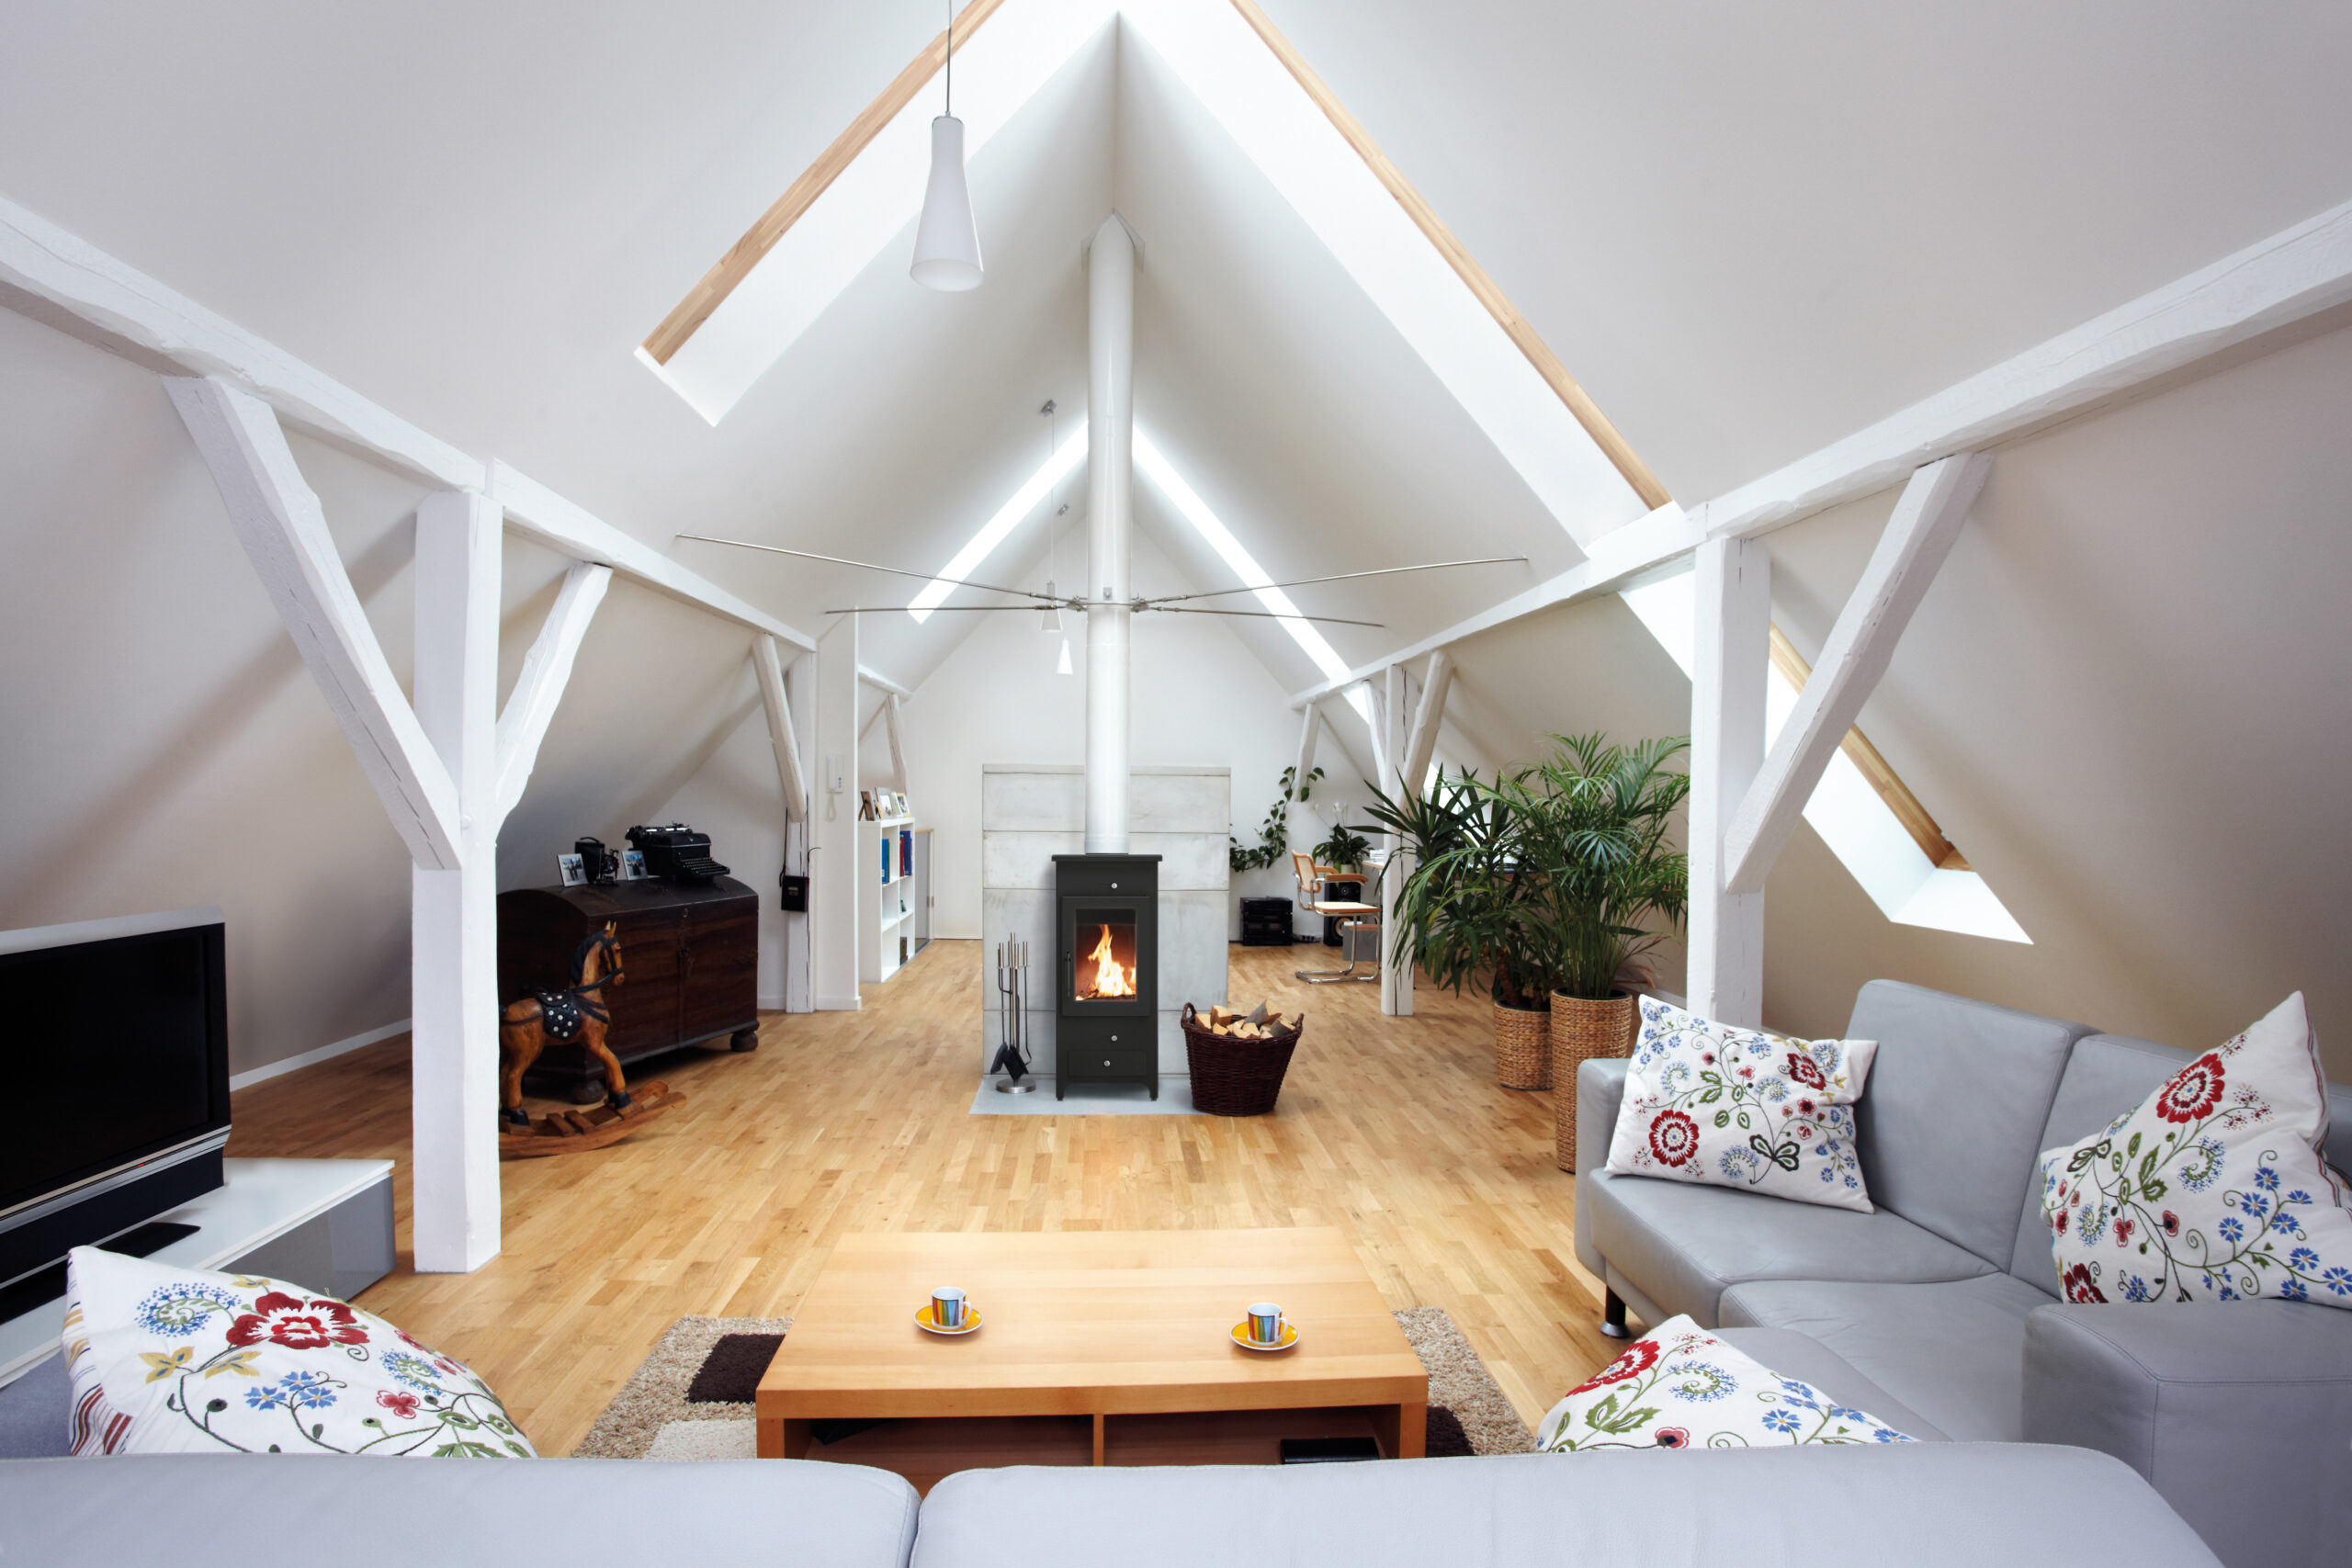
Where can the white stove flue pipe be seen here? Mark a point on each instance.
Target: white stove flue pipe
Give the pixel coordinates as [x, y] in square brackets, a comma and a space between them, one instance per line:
[1110, 526]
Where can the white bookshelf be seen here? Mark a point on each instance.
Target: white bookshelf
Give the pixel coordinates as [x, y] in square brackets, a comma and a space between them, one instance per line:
[887, 906]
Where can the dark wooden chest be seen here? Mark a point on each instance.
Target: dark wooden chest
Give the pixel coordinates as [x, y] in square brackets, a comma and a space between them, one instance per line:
[689, 968]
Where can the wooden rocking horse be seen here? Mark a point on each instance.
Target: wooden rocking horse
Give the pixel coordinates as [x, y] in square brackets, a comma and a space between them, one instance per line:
[578, 1015]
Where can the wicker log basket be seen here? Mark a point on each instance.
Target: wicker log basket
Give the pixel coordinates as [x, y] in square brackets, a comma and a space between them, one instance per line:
[1522, 1047]
[1233, 1076]
[1582, 1029]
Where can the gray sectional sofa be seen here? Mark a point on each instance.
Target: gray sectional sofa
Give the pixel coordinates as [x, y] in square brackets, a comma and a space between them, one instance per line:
[1943, 1305]
[1939, 1505]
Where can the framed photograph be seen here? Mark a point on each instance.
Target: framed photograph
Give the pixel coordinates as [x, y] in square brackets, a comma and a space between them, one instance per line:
[866, 805]
[575, 871]
[632, 865]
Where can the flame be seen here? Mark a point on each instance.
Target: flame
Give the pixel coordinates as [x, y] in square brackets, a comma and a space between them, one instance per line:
[1111, 977]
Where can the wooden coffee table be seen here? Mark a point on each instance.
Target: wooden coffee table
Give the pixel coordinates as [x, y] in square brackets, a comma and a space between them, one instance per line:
[1128, 1331]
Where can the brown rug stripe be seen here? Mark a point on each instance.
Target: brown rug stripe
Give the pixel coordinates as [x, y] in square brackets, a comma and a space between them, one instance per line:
[708, 1369]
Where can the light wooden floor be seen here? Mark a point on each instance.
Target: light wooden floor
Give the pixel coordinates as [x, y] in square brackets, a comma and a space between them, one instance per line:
[1393, 1129]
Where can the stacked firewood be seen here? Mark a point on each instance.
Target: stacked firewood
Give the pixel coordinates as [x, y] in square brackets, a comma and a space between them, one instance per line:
[1258, 1024]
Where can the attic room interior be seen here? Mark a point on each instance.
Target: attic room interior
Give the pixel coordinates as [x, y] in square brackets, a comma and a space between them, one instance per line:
[1177, 781]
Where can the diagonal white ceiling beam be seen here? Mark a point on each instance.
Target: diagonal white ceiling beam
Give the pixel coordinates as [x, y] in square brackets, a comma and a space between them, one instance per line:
[2277, 282]
[782, 738]
[277, 519]
[1918, 538]
[547, 671]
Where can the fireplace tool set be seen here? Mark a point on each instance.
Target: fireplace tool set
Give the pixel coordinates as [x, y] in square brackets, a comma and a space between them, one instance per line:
[1013, 994]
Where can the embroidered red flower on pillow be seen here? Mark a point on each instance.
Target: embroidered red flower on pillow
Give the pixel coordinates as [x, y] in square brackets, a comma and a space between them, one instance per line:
[2194, 1090]
[1631, 1364]
[1672, 1437]
[1674, 1137]
[1806, 1071]
[296, 1324]
[2079, 1286]
[401, 1404]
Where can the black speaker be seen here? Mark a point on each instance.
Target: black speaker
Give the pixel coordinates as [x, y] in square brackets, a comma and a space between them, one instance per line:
[795, 893]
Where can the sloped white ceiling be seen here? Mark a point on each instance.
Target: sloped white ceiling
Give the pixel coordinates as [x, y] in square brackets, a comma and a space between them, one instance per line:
[1746, 232]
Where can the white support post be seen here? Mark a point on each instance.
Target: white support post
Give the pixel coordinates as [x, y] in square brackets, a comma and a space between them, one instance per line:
[837, 875]
[782, 737]
[893, 731]
[1395, 979]
[1306, 735]
[1917, 537]
[453, 912]
[1422, 748]
[547, 671]
[800, 836]
[278, 521]
[1732, 644]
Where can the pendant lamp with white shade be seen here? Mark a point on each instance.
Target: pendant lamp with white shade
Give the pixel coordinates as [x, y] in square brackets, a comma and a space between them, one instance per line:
[947, 242]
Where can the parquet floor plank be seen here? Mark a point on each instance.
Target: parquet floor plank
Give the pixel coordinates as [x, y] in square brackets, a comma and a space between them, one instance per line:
[1392, 1129]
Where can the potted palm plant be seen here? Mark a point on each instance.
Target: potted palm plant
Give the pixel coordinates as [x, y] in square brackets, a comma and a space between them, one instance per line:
[1465, 914]
[1546, 882]
[1594, 819]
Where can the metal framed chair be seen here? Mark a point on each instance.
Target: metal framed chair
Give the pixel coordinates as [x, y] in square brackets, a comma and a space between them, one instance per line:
[1353, 917]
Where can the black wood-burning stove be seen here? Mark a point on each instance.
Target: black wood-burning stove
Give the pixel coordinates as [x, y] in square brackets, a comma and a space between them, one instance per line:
[1106, 949]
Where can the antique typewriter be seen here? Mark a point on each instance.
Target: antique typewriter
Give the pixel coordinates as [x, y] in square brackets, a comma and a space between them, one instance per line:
[675, 851]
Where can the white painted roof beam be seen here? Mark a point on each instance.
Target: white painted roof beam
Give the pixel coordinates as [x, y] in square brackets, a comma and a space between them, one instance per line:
[2274, 283]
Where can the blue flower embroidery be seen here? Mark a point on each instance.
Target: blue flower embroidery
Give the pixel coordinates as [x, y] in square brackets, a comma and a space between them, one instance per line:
[1795, 1392]
[1700, 1381]
[1782, 1421]
[2135, 1289]
[179, 1310]
[2339, 1281]
[2293, 1288]
[2231, 1231]
[2284, 1220]
[308, 1390]
[2302, 1257]
[413, 1370]
[1887, 1435]
[269, 1396]
[2266, 1178]
[2298, 1196]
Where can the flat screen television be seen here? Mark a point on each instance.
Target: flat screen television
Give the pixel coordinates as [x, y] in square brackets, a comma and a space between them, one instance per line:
[113, 1043]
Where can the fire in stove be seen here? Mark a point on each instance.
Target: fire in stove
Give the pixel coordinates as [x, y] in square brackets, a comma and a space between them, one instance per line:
[1100, 974]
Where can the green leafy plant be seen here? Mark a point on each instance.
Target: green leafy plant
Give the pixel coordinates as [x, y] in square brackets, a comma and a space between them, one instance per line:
[1545, 879]
[1344, 850]
[1273, 834]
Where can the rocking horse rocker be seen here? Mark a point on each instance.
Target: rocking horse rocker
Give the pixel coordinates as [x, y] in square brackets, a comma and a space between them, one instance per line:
[578, 1015]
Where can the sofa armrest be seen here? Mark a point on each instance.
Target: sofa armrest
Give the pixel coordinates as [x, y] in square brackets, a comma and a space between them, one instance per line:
[2238, 1413]
[1600, 1085]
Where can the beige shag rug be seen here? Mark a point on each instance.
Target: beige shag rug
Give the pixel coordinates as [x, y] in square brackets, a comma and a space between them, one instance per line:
[652, 1417]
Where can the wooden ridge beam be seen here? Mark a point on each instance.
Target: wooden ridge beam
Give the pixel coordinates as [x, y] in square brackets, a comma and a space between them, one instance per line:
[277, 519]
[1918, 538]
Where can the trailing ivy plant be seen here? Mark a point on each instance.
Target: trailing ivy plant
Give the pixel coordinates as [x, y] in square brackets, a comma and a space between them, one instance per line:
[1545, 879]
[1273, 835]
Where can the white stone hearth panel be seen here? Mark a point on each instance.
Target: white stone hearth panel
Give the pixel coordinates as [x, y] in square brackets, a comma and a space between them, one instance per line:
[1033, 800]
[1191, 950]
[1180, 801]
[1188, 862]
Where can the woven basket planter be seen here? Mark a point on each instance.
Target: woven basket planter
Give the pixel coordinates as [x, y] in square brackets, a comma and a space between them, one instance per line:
[1522, 1048]
[1582, 1029]
[1235, 1078]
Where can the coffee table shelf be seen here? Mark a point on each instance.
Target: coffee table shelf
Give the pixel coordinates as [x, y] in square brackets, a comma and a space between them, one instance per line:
[1100, 1347]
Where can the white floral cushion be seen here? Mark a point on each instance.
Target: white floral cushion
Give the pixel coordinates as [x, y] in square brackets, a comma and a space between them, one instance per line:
[1680, 1387]
[1711, 1103]
[2211, 1189]
[166, 1359]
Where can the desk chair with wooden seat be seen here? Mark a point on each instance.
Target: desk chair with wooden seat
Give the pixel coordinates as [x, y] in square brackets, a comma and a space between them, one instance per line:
[1353, 917]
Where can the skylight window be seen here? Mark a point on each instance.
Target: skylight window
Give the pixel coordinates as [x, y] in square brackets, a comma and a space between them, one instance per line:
[1243, 565]
[1056, 469]
[1861, 828]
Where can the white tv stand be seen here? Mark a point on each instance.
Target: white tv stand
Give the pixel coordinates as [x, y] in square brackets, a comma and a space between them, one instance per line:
[326, 1224]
